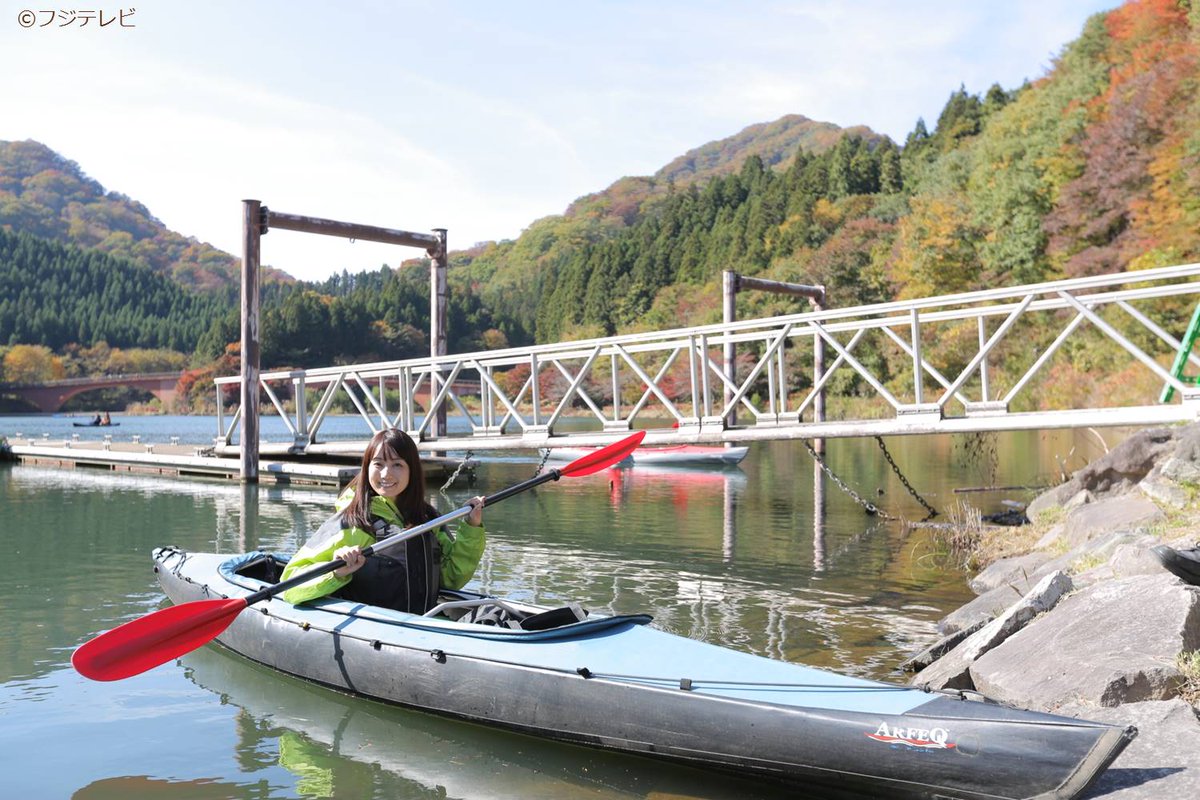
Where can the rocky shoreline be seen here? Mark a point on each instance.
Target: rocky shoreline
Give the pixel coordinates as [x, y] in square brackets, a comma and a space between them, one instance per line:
[1084, 621]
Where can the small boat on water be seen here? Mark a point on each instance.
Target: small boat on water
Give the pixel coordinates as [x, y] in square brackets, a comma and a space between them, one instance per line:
[616, 683]
[96, 424]
[689, 455]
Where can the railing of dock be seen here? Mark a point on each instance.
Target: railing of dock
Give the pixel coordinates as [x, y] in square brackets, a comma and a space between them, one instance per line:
[890, 359]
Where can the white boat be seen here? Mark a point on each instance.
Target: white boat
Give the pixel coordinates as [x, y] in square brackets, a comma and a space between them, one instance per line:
[692, 455]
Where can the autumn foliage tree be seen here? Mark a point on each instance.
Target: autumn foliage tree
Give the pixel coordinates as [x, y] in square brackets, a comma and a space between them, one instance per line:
[32, 363]
[1091, 168]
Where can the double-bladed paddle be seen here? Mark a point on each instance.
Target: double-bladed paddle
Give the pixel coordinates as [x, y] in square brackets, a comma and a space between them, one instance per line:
[163, 635]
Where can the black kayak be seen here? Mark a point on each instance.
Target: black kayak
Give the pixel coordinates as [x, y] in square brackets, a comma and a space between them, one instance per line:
[1183, 564]
[614, 682]
[96, 425]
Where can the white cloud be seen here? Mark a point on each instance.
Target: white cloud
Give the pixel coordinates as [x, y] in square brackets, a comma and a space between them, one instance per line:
[477, 117]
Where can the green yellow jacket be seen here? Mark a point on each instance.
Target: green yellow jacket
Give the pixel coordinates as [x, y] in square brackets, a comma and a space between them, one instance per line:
[460, 553]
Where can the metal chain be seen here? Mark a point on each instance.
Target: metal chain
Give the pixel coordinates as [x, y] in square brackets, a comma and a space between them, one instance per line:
[867, 505]
[545, 457]
[454, 475]
[932, 511]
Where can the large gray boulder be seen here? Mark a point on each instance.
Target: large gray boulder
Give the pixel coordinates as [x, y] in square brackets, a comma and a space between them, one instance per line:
[992, 603]
[1123, 513]
[1111, 643]
[985, 608]
[1006, 571]
[1164, 492]
[1162, 763]
[952, 671]
[1014, 577]
[1117, 472]
[1097, 559]
[1183, 465]
[930, 654]
[1129, 556]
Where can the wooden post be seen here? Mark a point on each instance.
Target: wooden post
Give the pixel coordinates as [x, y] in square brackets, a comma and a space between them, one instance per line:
[731, 284]
[729, 288]
[251, 240]
[258, 219]
[438, 299]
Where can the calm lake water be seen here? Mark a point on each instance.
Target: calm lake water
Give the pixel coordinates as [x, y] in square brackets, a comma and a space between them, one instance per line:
[735, 556]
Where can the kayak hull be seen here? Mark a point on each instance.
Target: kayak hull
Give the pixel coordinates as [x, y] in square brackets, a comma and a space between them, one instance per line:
[618, 684]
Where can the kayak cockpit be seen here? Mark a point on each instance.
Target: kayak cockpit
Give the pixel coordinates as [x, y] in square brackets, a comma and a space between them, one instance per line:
[458, 611]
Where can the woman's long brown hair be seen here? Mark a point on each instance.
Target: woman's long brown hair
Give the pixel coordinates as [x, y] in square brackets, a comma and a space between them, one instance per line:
[413, 507]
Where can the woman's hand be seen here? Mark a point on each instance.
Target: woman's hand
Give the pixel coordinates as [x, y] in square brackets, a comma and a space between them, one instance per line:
[354, 559]
[475, 518]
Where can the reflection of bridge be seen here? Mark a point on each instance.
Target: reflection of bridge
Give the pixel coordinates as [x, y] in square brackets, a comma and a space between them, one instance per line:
[51, 396]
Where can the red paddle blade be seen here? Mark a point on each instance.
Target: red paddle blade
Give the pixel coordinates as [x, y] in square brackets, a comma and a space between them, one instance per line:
[604, 457]
[154, 639]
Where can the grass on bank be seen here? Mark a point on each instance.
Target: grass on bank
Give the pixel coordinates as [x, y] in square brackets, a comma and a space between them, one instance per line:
[968, 541]
[975, 544]
[1189, 664]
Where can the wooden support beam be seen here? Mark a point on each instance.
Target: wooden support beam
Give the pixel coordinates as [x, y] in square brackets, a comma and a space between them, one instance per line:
[252, 230]
[350, 230]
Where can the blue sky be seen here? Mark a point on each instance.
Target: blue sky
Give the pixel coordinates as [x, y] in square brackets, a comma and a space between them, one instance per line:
[475, 116]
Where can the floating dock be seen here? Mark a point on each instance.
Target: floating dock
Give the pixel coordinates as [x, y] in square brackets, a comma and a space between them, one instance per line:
[172, 459]
[194, 460]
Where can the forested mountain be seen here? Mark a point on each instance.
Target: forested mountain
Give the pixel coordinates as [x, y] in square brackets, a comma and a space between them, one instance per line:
[55, 295]
[370, 316]
[44, 194]
[1092, 168]
[775, 143]
[59, 296]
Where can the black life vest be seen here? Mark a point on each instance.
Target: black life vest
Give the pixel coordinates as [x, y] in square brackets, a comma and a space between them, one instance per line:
[404, 578]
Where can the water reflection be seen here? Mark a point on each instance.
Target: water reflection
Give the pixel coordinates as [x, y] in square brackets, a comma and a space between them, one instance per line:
[731, 480]
[248, 520]
[340, 746]
[87, 569]
[766, 558]
[818, 521]
[130, 786]
[700, 550]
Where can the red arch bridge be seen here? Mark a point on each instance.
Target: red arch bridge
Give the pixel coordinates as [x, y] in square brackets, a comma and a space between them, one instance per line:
[52, 395]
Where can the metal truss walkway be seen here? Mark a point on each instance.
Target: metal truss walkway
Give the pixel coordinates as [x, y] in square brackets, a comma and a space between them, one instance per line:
[981, 361]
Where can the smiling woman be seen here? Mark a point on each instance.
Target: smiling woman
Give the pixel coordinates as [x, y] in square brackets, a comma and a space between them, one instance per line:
[386, 496]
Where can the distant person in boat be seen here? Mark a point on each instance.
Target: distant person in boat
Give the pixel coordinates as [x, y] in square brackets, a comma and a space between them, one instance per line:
[97, 420]
[107, 419]
[386, 496]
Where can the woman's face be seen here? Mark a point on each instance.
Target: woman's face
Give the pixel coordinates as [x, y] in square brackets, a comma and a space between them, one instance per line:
[388, 473]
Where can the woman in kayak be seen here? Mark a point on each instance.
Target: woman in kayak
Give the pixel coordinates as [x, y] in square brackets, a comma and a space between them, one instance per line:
[386, 496]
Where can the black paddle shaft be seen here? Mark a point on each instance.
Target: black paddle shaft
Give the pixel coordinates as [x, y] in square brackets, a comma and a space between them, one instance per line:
[536, 480]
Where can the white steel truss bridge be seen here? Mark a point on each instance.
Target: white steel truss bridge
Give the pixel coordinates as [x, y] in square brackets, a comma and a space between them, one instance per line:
[994, 360]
